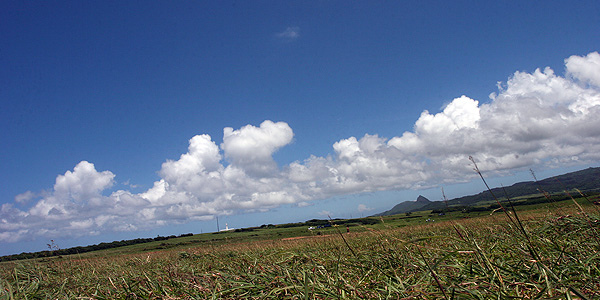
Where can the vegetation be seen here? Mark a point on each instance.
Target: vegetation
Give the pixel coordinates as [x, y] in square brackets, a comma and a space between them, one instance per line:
[407, 206]
[200, 239]
[523, 193]
[554, 255]
[54, 250]
[587, 180]
[512, 248]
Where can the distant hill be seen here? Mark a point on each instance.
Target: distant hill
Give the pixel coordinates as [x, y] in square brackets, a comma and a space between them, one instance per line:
[407, 206]
[584, 180]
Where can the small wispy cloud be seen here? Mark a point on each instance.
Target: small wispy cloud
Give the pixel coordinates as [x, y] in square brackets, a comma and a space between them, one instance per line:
[25, 197]
[364, 208]
[324, 213]
[303, 204]
[290, 33]
[129, 184]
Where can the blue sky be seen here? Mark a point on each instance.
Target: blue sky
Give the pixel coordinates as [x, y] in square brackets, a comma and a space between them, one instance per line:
[332, 107]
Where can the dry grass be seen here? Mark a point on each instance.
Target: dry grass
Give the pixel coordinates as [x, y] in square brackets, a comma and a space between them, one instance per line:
[478, 258]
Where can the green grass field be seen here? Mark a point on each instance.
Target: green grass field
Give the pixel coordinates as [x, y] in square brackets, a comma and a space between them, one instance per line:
[552, 252]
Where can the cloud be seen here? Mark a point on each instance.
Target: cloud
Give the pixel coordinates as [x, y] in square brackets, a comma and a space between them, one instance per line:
[584, 69]
[535, 119]
[76, 197]
[131, 185]
[364, 208]
[303, 204]
[25, 197]
[324, 213]
[290, 33]
[252, 148]
[73, 190]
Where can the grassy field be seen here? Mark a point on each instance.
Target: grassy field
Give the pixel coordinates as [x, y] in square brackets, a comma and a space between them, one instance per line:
[550, 252]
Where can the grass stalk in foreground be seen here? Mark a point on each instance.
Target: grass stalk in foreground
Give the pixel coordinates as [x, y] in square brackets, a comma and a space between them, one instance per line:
[488, 260]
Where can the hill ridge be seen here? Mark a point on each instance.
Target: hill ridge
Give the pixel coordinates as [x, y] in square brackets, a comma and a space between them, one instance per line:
[584, 180]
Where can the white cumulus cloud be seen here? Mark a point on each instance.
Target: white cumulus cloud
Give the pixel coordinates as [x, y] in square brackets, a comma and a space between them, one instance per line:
[534, 119]
[251, 148]
[585, 68]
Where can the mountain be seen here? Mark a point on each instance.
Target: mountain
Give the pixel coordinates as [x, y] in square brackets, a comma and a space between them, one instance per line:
[407, 206]
[584, 180]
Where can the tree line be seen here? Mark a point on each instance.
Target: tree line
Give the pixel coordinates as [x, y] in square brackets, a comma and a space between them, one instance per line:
[83, 249]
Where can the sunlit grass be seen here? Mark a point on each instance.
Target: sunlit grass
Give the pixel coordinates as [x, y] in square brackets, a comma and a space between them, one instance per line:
[477, 258]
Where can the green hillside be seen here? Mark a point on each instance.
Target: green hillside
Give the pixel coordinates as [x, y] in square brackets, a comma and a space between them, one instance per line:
[407, 206]
[587, 180]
